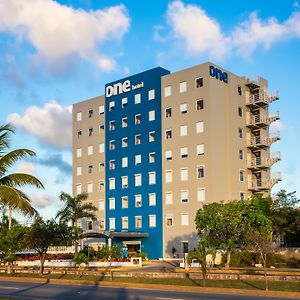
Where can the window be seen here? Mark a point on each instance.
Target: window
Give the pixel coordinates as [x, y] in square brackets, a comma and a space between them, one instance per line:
[124, 202]
[101, 204]
[101, 128]
[90, 169]
[101, 224]
[151, 157]
[112, 183]
[78, 152]
[124, 122]
[124, 102]
[124, 182]
[185, 247]
[151, 94]
[200, 149]
[112, 125]
[101, 185]
[242, 196]
[91, 130]
[152, 220]
[182, 87]
[90, 187]
[242, 175]
[78, 171]
[168, 91]
[138, 221]
[138, 179]
[199, 82]
[168, 134]
[183, 130]
[199, 104]
[151, 136]
[90, 113]
[138, 139]
[112, 203]
[184, 219]
[112, 224]
[183, 108]
[90, 150]
[240, 133]
[124, 222]
[124, 162]
[101, 148]
[200, 171]
[201, 195]
[152, 178]
[168, 154]
[137, 119]
[199, 127]
[152, 199]
[112, 164]
[101, 167]
[168, 176]
[112, 145]
[138, 200]
[79, 133]
[184, 152]
[240, 90]
[240, 111]
[184, 196]
[124, 142]
[111, 105]
[169, 198]
[184, 174]
[137, 98]
[138, 159]
[168, 112]
[78, 189]
[79, 116]
[90, 225]
[241, 154]
[151, 115]
[169, 221]
[101, 110]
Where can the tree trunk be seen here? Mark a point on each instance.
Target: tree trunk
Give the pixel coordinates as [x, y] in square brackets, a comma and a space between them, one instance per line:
[75, 248]
[264, 258]
[42, 259]
[228, 260]
[9, 264]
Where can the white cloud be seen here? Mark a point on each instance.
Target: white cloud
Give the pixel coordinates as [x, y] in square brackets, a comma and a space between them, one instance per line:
[51, 124]
[276, 126]
[26, 167]
[58, 32]
[41, 201]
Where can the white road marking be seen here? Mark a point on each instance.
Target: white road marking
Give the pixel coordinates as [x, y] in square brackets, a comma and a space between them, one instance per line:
[161, 298]
[9, 287]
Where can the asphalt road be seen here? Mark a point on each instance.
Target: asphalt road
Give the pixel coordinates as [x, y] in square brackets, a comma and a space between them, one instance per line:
[41, 291]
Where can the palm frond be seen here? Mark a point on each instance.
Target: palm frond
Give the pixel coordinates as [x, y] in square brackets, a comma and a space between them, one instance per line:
[21, 179]
[5, 132]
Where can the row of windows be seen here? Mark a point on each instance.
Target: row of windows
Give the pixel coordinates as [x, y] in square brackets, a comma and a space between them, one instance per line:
[184, 130]
[184, 152]
[183, 86]
[138, 222]
[184, 108]
[184, 174]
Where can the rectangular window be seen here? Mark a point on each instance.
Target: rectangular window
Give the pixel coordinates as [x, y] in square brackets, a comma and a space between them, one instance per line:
[124, 162]
[151, 157]
[184, 219]
[183, 108]
[241, 154]
[112, 183]
[79, 116]
[101, 148]
[184, 174]
[185, 247]
[138, 221]
[137, 119]
[124, 222]
[201, 195]
[112, 164]
[124, 182]
[242, 175]
[124, 122]
[183, 87]
[90, 150]
[152, 178]
[138, 139]
[151, 136]
[183, 130]
[112, 224]
[112, 125]
[151, 94]
[169, 198]
[168, 91]
[90, 187]
[101, 224]
[79, 133]
[90, 225]
[199, 82]
[111, 105]
[137, 98]
[90, 169]
[168, 176]
[168, 134]
[78, 171]
[152, 220]
[112, 203]
[199, 127]
[184, 152]
[112, 145]
[138, 179]
[151, 115]
[242, 196]
[138, 200]
[101, 204]
[101, 110]
[78, 189]
[200, 172]
[78, 152]
[124, 142]
[90, 113]
[124, 101]
[152, 199]
[240, 111]
[184, 196]
[200, 149]
[240, 133]
[101, 185]
[169, 221]
[138, 159]
[199, 104]
[168, 112]
[124, 202]
[91, 130]
[101, 128]
[168, 154]
[101, 167]
[239, 90]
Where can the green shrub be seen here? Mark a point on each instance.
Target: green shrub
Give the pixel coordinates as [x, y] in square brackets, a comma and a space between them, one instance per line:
[143, 255]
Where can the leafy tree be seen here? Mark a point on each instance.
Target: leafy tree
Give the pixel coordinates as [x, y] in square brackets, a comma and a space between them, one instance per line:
[41, 235]
[75, 208]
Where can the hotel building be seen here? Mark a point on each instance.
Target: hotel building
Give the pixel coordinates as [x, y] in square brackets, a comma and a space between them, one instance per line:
[159, 145]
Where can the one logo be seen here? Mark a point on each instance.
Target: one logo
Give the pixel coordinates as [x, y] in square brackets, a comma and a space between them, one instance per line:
[118, 88]
[218, 74]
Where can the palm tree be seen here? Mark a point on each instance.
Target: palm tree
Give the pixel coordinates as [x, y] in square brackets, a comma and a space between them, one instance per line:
[75, 208]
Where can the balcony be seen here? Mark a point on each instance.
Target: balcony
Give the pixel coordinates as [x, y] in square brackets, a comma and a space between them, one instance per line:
[264, 184]
[259, 142]
[262, 120]
[259, 163]
[260, 99]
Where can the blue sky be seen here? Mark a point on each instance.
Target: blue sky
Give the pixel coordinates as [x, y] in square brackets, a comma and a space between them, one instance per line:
[56, 53]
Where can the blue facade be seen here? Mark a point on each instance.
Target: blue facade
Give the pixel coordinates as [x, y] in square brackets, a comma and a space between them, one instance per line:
[114, 131]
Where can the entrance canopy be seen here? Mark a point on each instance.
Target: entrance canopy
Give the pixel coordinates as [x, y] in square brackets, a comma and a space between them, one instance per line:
[115, 234]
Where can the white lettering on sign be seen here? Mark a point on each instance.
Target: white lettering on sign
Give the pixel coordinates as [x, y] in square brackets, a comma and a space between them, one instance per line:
[120, 88]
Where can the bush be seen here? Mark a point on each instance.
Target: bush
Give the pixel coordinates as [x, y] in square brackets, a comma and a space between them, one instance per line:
[81, 258]
[143, 255]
